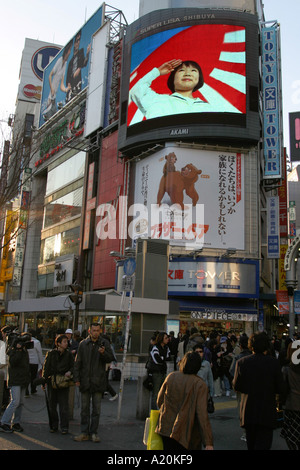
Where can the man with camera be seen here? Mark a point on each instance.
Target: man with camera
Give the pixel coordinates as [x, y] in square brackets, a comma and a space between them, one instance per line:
[90, 375]
[18, 380]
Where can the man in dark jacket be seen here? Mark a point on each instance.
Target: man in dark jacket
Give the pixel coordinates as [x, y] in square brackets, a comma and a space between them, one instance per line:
[18, 380]
[89, 374]
[258, 377]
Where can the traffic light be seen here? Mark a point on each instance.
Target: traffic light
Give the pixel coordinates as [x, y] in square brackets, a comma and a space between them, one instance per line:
[76, 297]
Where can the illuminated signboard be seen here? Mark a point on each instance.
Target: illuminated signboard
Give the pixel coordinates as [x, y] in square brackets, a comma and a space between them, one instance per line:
[192, 75]
[68, 72]
[272, 124]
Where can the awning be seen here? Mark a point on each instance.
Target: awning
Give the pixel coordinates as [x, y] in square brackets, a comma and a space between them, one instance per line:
[219, 310]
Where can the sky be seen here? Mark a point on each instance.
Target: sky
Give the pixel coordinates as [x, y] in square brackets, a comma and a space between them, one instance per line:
[57, 21]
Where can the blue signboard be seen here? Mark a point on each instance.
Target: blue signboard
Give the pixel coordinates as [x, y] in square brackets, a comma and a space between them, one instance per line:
[271, 103]
[297, 302]
[273, 227]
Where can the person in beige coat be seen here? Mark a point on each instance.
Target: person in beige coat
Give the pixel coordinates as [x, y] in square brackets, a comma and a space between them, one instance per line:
[182, 400]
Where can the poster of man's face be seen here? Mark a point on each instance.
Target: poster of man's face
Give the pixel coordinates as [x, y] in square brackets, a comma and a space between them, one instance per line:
[217, 51]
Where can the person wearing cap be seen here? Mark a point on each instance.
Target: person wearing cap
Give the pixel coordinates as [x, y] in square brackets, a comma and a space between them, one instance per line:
[73, 344]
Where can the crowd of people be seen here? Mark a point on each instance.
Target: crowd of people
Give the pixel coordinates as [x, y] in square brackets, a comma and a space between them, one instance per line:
[259, 372]
[72, 362]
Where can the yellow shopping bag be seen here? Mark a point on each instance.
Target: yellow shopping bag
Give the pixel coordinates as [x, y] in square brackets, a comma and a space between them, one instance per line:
[154, 440]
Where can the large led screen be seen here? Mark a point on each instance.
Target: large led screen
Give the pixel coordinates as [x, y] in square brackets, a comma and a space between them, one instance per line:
[182, 75]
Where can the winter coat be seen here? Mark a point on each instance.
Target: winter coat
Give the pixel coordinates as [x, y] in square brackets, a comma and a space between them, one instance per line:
[18, 367]
[205, 373]
[90, 364]
[57, 363]
[182, 401]
[157, 359]
[258, 377]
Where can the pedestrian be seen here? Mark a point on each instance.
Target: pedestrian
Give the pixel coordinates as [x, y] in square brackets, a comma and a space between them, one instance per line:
[291, 416]
[108, 368]
[36, 361]
[195, 338]
[157, 365]
[245, 351]
[225, 359]
[4, 391]
[89, 374]
[18, 380]
[205, 371]
[182, 400]
[258, 377]
[59, 363]
[173, 346]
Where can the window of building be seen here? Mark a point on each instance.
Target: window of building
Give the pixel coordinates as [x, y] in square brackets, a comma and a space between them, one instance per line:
[68, 171]
[63, 208]
[61, 244]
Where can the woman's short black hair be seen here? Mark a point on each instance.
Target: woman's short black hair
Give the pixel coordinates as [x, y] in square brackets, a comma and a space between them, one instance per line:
[191, 63]
[190, 363]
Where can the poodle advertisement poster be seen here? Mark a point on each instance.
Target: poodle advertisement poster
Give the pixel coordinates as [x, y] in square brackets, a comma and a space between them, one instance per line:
[194, 198]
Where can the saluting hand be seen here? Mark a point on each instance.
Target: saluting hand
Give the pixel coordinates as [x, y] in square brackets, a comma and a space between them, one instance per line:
[168, 67]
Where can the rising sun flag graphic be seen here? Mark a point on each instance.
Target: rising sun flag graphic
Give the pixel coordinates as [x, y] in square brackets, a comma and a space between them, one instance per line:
[220, 51]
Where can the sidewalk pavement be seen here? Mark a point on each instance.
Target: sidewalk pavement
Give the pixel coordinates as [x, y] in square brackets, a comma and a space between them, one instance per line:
[125, 434]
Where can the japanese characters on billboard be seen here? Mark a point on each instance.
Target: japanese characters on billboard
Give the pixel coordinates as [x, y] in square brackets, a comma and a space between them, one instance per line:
[185, 74]
[207, 186]
[67, 74]
[271, 102]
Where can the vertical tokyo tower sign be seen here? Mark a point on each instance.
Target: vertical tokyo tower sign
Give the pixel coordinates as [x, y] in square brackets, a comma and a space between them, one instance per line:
[271, 102]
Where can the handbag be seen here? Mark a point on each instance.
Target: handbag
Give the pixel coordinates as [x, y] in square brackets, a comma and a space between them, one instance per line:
[210, 405]
[59, 381]
[148, 382]
[151, 439]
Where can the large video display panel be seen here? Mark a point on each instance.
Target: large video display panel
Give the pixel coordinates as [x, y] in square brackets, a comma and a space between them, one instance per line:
[190, 76]
[209, 188]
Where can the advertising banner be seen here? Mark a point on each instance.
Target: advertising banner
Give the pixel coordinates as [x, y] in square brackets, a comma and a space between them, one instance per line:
[282, 302]
[294, 119]
[207, 186]
[273, 227]
[35, 58]
[271, 102]
[67, 74]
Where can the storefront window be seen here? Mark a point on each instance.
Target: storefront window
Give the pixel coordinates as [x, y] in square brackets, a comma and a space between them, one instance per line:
[61, 244]
[64, 208]
[68, 171]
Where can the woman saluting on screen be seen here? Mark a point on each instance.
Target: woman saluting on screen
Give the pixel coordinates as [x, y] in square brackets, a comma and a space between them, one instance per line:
[185, 77]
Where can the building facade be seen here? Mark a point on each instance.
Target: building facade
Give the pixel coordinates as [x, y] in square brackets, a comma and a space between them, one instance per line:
[131, 156]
